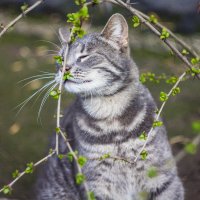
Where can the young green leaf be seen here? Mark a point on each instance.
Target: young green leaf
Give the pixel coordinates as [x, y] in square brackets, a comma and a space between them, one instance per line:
[67, 75]
[80, 178]
[164, 34]
[143, 136]
[91, 196]
[157, 124]
[80, 2]
[176, 91]
[58, 59]
[70, 156]
[105, 156]
[143, 78]
[7, 189]
[194, 71]
[61, 156]
[163, 96]
[144, 154]
[83, 13]
[50, 151]
[55, 94]
[24, 7]
[15, 174]
[195, 61]
[152, 172]
[29, 168]
[136, 21]
[196, 126]
[57, 130]
[82, 160]
[185, 52]
[172, 80]
[191, 148]
[153, 19]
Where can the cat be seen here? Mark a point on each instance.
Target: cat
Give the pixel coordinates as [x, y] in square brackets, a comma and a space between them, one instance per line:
[111, 111]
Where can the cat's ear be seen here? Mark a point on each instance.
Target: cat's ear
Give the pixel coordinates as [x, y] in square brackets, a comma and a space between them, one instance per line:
[64, 34]
[116, 30]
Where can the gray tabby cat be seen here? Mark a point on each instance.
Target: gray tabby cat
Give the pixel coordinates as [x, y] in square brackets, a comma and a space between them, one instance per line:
[112, 109]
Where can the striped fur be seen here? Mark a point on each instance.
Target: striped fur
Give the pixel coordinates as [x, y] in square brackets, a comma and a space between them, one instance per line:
[112, 109]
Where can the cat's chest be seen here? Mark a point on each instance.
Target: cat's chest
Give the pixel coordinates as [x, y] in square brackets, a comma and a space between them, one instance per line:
[95, 138]
[110, 149]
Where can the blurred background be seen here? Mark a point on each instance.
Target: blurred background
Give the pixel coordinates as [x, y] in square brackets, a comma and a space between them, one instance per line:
[28, 48]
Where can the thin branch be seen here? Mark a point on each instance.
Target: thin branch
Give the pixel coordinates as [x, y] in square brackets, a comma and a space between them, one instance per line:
[58, 121]
[114, 158]
[24, 172]
[177, 39]
[155, 31]
[59, 98]
[14, 21]
[76, 161]
[159, 114]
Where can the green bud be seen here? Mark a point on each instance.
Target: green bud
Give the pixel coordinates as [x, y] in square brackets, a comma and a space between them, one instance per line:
[144, 154]
[58, 59]
[153, 19]
[7, 189]
[152, 172]
[157, 124]
[55, 94]
[67, 75]
[105, 156]
[80, 178]
[61, 156]
[143, 136]
[57, 130]
[185, 52]
[29, 168]
[163, 96]
[91, 196]
[176, 91]
[191, 148]
[82, 160]
[24, 7]
[15, 174]
[195, 61]
[196, 126]
[136, 21]
[164, 34]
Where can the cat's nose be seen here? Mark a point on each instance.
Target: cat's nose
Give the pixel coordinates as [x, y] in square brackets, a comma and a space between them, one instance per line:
[67, 68]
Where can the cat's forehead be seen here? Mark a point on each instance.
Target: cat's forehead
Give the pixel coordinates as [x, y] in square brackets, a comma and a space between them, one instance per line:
[86, 43]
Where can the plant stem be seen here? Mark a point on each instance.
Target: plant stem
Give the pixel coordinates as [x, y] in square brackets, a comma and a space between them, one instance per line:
[159, 114]
[24, 172]
[14, 21]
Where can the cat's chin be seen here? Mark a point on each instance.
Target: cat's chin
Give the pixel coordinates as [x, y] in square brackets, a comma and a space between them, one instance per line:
[77, 88]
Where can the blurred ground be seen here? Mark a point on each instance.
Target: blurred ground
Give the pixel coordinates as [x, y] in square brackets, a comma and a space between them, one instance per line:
[23, 139]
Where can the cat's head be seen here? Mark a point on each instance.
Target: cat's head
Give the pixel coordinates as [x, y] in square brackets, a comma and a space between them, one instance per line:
[99, 62]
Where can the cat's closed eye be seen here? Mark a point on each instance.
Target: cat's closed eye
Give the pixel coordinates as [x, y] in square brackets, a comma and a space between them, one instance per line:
[82, 58]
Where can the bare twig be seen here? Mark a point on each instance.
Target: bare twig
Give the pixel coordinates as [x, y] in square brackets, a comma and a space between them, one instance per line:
[14, 21]
[24, 172]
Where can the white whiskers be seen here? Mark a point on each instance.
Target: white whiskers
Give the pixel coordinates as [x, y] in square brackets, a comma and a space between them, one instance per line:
[48, 86]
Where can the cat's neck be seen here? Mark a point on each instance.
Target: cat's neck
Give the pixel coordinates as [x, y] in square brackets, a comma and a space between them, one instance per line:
[101, 107]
